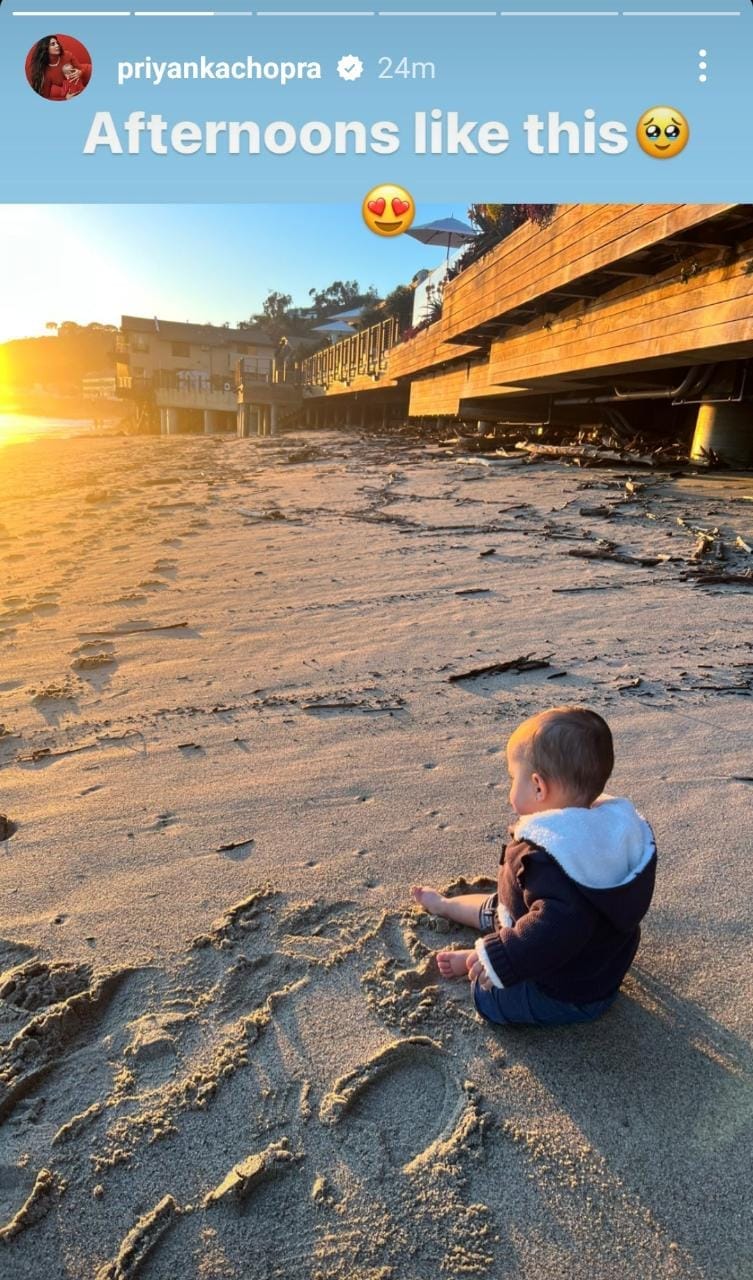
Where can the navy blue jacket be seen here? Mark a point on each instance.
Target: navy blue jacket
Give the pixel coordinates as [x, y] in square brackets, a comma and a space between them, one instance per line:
[569, 913]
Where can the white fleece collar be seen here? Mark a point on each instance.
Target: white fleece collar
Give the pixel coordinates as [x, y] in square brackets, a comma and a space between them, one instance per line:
[600, 848]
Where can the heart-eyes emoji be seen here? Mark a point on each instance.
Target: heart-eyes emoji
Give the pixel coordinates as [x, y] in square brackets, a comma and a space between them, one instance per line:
[388, 210]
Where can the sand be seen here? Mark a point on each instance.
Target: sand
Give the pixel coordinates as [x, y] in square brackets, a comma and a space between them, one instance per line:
[229, 745]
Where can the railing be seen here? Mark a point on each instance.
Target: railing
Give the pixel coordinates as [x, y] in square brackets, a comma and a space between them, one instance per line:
[363, 355]
[186, 380]
[271, 373]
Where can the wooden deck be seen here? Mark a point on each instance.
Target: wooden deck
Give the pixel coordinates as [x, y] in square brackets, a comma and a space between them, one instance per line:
[600, 293]
[585, 251]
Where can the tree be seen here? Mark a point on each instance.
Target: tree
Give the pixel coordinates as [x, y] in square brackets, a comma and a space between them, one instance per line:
[341, 295]
[276, 306]
[398, 303]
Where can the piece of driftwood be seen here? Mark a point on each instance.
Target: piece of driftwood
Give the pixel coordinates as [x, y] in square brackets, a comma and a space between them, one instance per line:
[137, 631]
[710, 577]
[234, 844]
[586, 453]
[745, 687]
[602, 586]
[526, 662]
[709, 544]
[473, 591]
[564, 534]
[46, 753]
[620, 557]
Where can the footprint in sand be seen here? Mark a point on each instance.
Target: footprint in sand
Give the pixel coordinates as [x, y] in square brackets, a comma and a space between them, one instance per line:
[94, 661]
[162, 821]
[165, 568]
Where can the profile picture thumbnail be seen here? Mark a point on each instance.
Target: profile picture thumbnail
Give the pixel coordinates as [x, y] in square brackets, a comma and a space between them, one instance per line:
[58, 67]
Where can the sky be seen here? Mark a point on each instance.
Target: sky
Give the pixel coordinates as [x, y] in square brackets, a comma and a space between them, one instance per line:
[202, 263]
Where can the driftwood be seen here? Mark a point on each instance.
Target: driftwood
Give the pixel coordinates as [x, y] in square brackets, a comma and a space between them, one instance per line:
[608, 552]
[137, 631]
[46, 753]
[234, 844]
[708, 542]
[711, 577]
[586, 453]
[745, 687]
[526, 662]
[473, 591]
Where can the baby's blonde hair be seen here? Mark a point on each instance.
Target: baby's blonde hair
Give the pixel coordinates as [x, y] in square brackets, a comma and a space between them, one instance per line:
[568, 745]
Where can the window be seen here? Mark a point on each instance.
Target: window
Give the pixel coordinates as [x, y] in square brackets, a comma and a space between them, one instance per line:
[139, 342]
[180, 348]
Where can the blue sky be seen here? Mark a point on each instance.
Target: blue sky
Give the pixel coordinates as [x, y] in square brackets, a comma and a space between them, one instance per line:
[204, 263]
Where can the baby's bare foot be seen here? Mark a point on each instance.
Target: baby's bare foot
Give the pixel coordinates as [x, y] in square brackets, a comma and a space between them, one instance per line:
[429, 899]
[452, 964]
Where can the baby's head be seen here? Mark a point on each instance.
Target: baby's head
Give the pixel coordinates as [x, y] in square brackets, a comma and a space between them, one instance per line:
[559, 759]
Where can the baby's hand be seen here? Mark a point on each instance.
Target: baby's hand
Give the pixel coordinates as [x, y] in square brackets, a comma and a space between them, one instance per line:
[477, 971]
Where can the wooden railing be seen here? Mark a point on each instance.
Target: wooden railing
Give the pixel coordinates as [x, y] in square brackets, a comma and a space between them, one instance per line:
[363, 355]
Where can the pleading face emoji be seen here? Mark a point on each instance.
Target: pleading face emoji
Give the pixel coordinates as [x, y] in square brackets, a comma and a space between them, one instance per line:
[388, 210]
[662, 132]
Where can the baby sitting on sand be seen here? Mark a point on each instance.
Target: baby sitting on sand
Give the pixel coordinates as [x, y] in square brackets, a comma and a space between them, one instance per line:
[562, 930]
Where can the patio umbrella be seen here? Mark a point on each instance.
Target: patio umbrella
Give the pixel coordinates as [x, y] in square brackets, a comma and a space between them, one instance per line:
[449, 232]
[335, 326]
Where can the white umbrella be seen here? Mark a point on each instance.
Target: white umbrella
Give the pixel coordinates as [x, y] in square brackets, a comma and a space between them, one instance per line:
[334, 326]
[449, 232]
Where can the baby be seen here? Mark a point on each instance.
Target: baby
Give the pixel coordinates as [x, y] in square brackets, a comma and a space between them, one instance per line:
[74, 81]
[562, 930]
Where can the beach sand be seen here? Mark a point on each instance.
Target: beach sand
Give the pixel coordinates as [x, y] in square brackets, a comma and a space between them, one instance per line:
[229, 744]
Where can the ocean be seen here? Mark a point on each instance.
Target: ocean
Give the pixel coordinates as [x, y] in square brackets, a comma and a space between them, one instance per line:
[15, 427]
